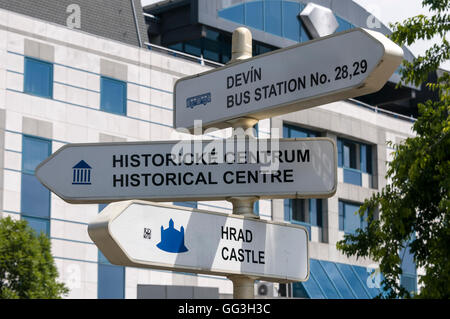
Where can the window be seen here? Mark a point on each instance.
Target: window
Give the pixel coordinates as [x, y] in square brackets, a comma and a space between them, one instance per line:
[214, 46]
[355, 158]
[211, 45]
[307, 212]
[291, 22]
[113, 96]
[256, 208]
[323, 280]
[343, 25]
[275, 16]
[352, 278]
[35, 198]
[272, 11]
[186, 204]
[335, 280]
[303, 211]
[254, 14]
[38, 77]
[111, 278]
[409, 282]
[193, 47]
[349, 220]
[408, 278]
[292, 131]
[234, 13]
[260, 48]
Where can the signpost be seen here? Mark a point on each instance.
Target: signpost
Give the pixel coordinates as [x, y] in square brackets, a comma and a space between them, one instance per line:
[240, 170]
[192, 170]
[344, 65]
[157, 236]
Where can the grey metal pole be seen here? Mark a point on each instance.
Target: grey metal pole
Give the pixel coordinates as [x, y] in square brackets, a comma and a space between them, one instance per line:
[243, 287]
[241, 49]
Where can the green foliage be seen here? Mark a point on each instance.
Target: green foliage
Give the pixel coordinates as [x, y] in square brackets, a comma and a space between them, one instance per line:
[420, 28]
[417, 200]
[27, 268]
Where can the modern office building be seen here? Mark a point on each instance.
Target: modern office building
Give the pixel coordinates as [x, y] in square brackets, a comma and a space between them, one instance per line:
[104, 71]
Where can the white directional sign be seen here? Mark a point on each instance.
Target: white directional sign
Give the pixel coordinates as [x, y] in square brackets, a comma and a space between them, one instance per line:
[191, 170]
[144, 234]
[344, 65]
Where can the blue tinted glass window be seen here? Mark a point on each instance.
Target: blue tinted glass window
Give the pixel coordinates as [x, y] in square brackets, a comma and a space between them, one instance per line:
[305, 212]
[340, 154]
[355, 158]
[291, 22]
[292, 131]
[111, 281]
[368, 159]
[254, 15]
[343, 24]
[35, 198]
[341, 216]
[211, 50]
[353, 281]
[113, 96]
[338, 281]
[34, 151]
[186, 204]
[272, 15]
[349, 154]
[351, 221]
[176, 46]
[323, 280]
[352, 176]
[299, 291]
[193, 47]
[298, 213]
[408, 279]
[256, 208]
[315, 212]
[101, 207]
[409, 282]
[38, 224]
[363, 159]
[364, 275]
[287, 209]
[408, 264]
[304, 35]
[235, 13]
[38, 77]
[312, 288]
[102, 259]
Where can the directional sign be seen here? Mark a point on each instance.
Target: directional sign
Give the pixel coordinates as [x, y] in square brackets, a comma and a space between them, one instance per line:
[145, 234]
[340, 66]
[192, 170]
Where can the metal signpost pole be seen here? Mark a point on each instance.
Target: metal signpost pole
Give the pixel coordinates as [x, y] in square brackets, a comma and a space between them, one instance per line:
[241, 49]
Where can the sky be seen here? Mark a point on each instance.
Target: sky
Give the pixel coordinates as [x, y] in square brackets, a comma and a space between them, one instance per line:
[390, 11]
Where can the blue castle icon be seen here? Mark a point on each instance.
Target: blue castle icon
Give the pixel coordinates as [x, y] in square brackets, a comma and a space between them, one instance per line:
[172, 240]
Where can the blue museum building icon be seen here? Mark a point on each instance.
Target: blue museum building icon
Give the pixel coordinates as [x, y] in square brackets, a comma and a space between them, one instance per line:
[172, 240]
[81, 174]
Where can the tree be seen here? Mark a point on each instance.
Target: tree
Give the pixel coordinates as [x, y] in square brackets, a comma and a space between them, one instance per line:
[415, 207]
[27, 268]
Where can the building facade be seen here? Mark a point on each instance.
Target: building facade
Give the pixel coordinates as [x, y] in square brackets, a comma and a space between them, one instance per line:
[66, 78]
